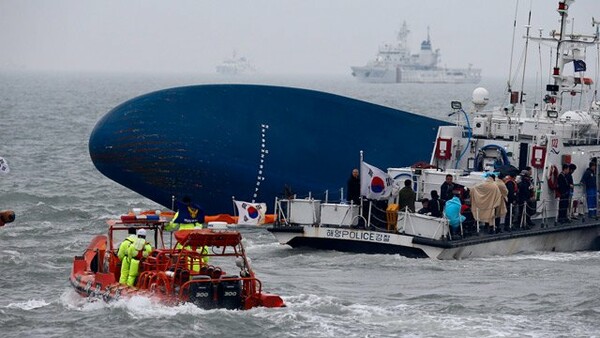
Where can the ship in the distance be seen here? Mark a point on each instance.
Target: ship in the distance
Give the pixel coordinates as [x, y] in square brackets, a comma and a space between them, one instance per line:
[236, 65]
[394, 63]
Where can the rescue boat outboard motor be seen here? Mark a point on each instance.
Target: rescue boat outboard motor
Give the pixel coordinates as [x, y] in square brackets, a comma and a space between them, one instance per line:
[229, 292]
[202, 292]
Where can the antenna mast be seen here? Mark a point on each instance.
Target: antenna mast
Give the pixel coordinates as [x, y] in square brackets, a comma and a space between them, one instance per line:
[525, 59]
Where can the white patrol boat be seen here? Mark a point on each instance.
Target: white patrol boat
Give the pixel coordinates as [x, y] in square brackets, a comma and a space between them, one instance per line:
[562, 128]
[236, 65]
[394, 63]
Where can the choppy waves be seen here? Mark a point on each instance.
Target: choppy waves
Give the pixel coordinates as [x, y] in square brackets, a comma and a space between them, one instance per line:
[61, 202]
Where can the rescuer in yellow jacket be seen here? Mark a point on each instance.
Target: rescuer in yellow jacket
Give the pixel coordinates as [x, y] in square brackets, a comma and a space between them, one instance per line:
[122, 254]
[189, 216]
[136, 252]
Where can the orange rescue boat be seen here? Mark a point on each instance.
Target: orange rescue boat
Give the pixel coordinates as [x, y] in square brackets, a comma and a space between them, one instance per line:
[193, 273]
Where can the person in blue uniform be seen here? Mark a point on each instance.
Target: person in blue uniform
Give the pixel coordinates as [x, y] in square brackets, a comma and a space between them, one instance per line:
[591, 191]
[189, 216]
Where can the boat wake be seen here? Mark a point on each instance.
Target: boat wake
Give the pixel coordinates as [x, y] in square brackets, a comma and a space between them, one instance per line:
[28, 305]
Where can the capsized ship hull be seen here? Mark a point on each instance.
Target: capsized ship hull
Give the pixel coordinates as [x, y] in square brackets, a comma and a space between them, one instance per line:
[213, 142]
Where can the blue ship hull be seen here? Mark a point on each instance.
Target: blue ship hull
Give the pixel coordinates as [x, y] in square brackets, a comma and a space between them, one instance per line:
[212, 142]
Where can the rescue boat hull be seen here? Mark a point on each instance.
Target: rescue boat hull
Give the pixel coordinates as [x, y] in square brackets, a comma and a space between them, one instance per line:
[95, 274]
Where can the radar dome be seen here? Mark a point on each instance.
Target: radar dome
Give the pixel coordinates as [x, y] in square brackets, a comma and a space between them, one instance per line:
[480, 97]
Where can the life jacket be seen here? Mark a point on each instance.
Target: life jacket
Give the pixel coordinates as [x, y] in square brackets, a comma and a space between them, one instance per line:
[138, 249]
[122, 252]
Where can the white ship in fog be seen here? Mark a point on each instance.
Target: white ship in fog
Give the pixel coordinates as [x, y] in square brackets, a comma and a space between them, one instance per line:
[236, 65]
[395, 64]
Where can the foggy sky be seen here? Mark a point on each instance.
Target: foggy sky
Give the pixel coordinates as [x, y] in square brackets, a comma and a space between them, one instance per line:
[278, 36]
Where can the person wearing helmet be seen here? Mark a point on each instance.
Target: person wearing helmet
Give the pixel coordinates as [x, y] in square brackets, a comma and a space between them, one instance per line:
[137, 251]
[122, 254]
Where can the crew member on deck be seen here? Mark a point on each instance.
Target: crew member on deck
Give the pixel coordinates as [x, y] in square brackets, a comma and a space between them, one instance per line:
[435, 204]
[425, 209]
[524, 195]
[572, 203]
[354, 187]
[511, 201]
[446, 189]
[136, 252]
[407, 197]
[188, 216]
[122, 254]
[591, 191]
[564, 190]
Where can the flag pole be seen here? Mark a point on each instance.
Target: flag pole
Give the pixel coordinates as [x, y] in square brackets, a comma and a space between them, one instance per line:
[234, 206]
[360, 208]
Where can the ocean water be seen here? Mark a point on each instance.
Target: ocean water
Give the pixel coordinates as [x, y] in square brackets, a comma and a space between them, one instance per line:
[61, 202]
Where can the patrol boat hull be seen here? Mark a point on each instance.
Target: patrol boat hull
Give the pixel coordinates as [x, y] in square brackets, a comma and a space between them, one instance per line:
[572, 238]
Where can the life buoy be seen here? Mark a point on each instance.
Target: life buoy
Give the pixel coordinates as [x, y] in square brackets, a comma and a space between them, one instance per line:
[553, 178]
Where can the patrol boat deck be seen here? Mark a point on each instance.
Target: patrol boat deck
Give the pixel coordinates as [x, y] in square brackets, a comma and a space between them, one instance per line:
[562, 128]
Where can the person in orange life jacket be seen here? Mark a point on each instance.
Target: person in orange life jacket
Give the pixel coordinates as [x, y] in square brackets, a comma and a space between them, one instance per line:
[564, 190]
[137, 251]
[122, 254]
[189, 216]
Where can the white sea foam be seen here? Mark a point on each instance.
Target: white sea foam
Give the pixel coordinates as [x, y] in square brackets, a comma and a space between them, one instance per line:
[28, 305]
